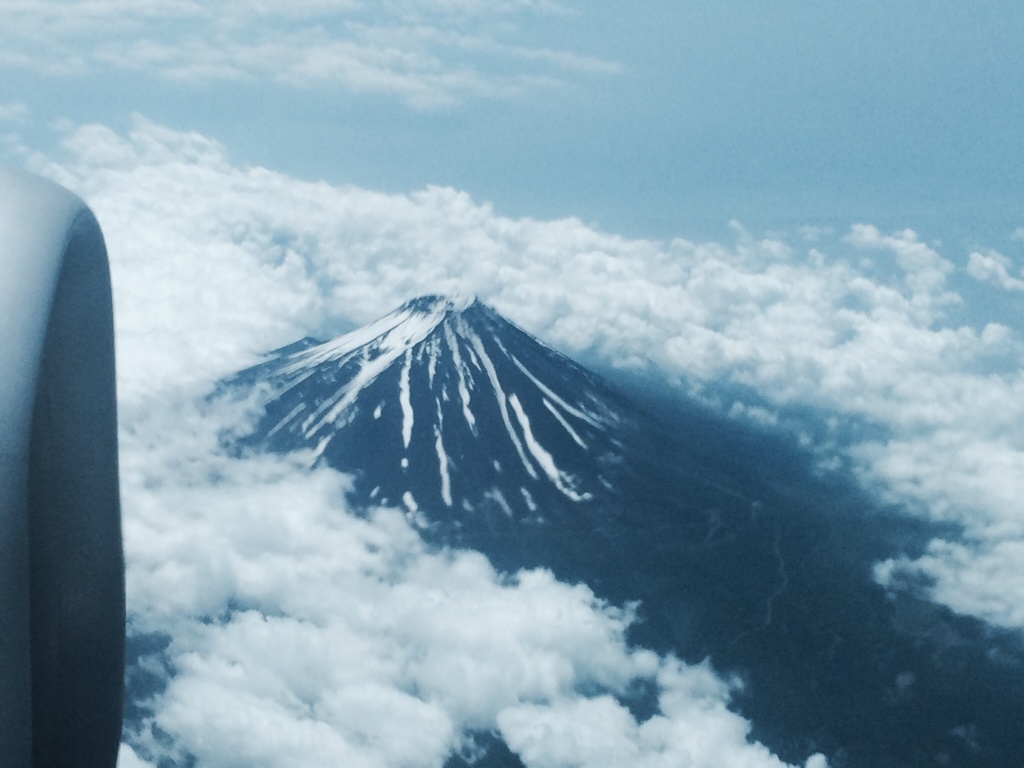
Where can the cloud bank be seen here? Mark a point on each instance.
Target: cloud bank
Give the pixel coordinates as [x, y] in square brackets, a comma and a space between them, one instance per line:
[215, 263]
[426, 53]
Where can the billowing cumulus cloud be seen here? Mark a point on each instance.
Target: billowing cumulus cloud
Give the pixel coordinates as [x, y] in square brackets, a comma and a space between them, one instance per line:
[995, 267]
[215, 263]
[427, 53]
[694, 728]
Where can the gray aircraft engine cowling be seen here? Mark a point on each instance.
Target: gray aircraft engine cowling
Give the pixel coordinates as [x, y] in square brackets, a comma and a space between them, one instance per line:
[62, 605]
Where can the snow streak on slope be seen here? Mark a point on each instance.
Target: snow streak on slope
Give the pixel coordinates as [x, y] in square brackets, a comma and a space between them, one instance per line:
[372, 349]
[444, 404]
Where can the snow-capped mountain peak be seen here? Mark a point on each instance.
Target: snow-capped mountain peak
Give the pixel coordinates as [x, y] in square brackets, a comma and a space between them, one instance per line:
[441, 405]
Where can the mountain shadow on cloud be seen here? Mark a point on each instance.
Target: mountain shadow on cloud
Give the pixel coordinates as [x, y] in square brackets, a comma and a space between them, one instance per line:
[737, 548]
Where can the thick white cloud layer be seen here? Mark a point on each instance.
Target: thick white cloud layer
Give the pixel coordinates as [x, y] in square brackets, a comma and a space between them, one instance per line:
[303, 633]
[215, 263]
[428, 53]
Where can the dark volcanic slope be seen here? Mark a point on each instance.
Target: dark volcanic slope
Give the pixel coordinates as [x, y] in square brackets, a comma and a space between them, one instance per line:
[450, 410]
[736, 548]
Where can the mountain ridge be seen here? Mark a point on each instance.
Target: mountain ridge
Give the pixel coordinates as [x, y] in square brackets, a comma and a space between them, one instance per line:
[428, 384]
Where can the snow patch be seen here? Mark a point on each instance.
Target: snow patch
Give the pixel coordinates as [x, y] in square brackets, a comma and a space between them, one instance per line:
[544, 459]
[283, 422]
[410, 502]
[591, 419]
[320, 448]
[405, 399]
[528, 498]
[495, 495]
[463, 372]
[565, 424]
[434, 352]
[442, 459]
[499, 394]
[374, 348]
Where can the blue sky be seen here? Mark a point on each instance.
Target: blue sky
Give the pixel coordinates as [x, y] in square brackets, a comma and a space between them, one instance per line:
[779, 208]
[650, 119]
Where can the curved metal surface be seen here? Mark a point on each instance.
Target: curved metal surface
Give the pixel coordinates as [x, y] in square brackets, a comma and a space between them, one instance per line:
[61, 560]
